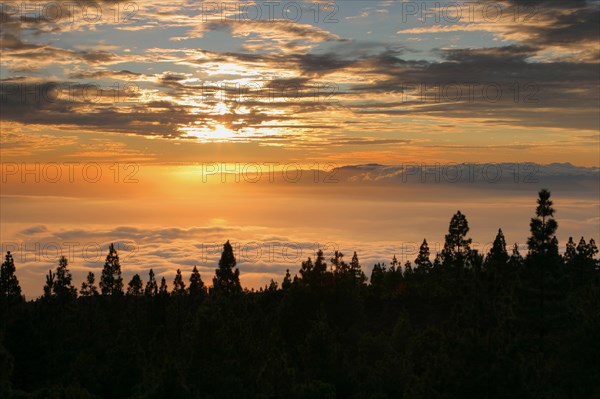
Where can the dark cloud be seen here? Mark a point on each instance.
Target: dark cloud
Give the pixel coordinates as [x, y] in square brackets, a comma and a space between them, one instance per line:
[35, 230]
[565, 22]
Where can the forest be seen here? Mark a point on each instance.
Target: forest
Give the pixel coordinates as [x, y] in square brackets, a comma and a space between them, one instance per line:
[456, 324]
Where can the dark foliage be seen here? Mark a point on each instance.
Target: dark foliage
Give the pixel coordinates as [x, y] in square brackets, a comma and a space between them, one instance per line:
[459, 327]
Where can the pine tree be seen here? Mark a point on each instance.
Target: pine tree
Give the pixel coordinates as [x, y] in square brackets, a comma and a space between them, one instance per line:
[151, 286]
[437, 262]
[543, 227]
[516, 260]
[314, 274]
[320, 267]
[378, 276]
[287, 280]
[422, 262]
[88, 287]
[49, 286]
[178, 284]
[111, 282]
[196, 284]
[457, 248]
[163, 290]
[543, 257]
[306, 271]
[9, 284]
[408, 270]
[580, 261]
[135, 286]
[272, 287]
[570, 256]
[497, 257]
[356, 270]
[227, 276]
[63, 287]
[586, 253]
[338, 266]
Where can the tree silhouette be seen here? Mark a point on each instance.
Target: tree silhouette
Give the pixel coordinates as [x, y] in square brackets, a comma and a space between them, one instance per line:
[378, 276]
[163, 290]
[151, 286]
[543, 257]
[227, 276]
[306, 271]
[457, 248]
[422, 262]
[580, 260]
[287, 280]
[111, 282]
[196, 287]
[408, 335]
[49, 286]
[543, 227]
[88, 287]
[408, 269]
[355, 270]
[9, 284]
[62, 286]
[338, 266]
[497, 257]
[135, 286]
[320, 267]
[314, 274]
[586, 253]
[570, 255]
[178, 284]
[516, 260]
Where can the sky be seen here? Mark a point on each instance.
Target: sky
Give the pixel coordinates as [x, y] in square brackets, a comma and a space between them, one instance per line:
[171, 127]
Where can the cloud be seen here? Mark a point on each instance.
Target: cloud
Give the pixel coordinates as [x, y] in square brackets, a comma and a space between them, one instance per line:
[35, 230]
[298, 84]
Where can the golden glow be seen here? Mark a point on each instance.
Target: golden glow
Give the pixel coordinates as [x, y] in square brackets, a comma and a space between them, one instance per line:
[204, 134]
[220, 109]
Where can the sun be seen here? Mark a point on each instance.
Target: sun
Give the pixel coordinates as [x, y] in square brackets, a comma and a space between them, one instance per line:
[220, 132]
[206, 134]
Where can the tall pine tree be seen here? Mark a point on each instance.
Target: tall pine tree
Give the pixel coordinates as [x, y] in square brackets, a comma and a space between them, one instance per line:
[457, 248]
[151, 286]
[356, 271]
[497, 257]
[227, 276]
[422, 263]
[541, 243]
[287, 280]
[178, 284]
[163, 290]
[88, 287]
[111, 282]
[9, 284]
[135, 286]
[63, 287]
[196, 287]
[49, 286]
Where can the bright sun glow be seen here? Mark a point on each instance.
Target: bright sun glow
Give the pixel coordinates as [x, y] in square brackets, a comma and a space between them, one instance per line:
[217, 133]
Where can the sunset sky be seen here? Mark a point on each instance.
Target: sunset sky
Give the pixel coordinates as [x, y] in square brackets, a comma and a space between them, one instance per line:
[170, 128]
